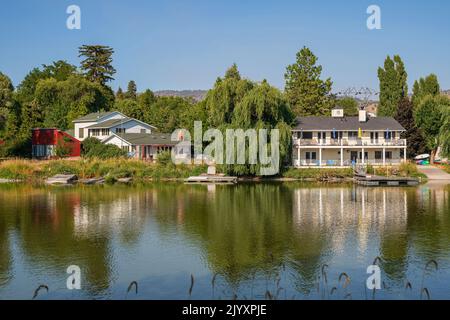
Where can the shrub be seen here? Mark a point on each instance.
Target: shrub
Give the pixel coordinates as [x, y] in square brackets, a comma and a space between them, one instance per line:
[63, 148]
[94, 148]
[164, 158]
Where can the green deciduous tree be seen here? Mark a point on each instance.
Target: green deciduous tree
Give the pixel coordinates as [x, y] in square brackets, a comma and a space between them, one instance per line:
[63, 101]
[425, 86]
[430, 118]
[130, 108]
[146, 99]
[444, 135]
[97, 63]
[167, 113]
[6, 99]
[350, 106]
[393, 85]
[221, 101]
[237, 103]
[306, 92]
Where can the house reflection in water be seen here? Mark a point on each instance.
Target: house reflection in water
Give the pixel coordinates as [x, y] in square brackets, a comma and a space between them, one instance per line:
[359, 221]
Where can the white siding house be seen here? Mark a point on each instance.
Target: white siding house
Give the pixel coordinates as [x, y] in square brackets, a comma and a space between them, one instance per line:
[92, 119]
[103, 125]
[340, 141]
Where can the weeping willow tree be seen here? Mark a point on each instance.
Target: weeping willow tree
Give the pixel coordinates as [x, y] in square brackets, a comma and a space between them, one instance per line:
[236, 103]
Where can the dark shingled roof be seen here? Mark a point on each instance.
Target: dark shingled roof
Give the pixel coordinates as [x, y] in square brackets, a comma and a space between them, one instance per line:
[148, 138]
[109, 123]
[94, 116]
[346, 124]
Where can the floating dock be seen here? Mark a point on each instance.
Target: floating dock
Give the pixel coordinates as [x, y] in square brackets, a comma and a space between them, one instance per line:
[375, 181]
[62, 179]
[212, 179]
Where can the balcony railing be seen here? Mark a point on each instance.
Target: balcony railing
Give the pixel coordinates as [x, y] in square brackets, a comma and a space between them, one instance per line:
[346, 163]
[351, 142]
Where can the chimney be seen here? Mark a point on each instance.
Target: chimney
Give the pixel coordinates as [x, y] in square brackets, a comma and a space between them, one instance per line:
[362, 115]
[337, 112]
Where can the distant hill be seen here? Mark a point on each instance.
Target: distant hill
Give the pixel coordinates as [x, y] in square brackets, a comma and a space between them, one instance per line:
[446, 92]
[197, 95]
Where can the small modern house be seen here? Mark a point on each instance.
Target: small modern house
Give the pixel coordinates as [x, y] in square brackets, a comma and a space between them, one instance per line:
[340, 141]
[46, 141]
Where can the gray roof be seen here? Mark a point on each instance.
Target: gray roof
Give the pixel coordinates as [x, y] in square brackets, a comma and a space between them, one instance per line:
[148, 138]
[109, 123]
[346, 124]
[94, 116]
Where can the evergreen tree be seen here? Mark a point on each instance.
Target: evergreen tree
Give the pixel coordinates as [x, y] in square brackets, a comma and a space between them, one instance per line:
[233, 73]
[306, 92]
[393, 85]
[97, 63]
[131, 90]
[119, 94]
[405, 116]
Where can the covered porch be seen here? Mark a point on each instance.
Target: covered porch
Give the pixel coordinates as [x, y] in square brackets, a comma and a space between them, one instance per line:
[333, 157]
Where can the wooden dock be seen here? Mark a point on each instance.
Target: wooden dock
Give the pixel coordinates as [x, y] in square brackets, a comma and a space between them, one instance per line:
[62, 179]
[376, 181]
[216, 179]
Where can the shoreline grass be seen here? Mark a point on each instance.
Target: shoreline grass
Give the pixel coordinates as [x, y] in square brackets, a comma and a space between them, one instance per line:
[113, 169]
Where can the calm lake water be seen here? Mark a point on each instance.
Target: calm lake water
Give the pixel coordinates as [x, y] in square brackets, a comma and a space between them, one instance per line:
[251, 238]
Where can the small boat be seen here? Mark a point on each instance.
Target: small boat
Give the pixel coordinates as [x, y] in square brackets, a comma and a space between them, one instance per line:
[422, 156]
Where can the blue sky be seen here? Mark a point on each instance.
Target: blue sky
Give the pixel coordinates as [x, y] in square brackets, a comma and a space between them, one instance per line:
[187, 44]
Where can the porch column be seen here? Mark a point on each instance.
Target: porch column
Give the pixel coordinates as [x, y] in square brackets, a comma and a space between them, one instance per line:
[299, 156]
[342, 157]
[363, 157]
[404, 154]
[384, 156]
[320, 157]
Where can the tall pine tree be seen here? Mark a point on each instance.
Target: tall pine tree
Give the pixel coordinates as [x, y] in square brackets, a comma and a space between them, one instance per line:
[306, 92]
[131, 90]
[97, 63]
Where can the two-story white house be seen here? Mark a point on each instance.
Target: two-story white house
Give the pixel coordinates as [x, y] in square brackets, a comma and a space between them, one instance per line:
[102, 125]
[138, 138]
[340, 141]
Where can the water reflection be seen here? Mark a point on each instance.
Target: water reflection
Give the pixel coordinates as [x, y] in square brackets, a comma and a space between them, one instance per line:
[247, 234]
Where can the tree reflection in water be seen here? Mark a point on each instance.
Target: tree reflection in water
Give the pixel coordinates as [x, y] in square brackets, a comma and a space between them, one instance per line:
[256, 238]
